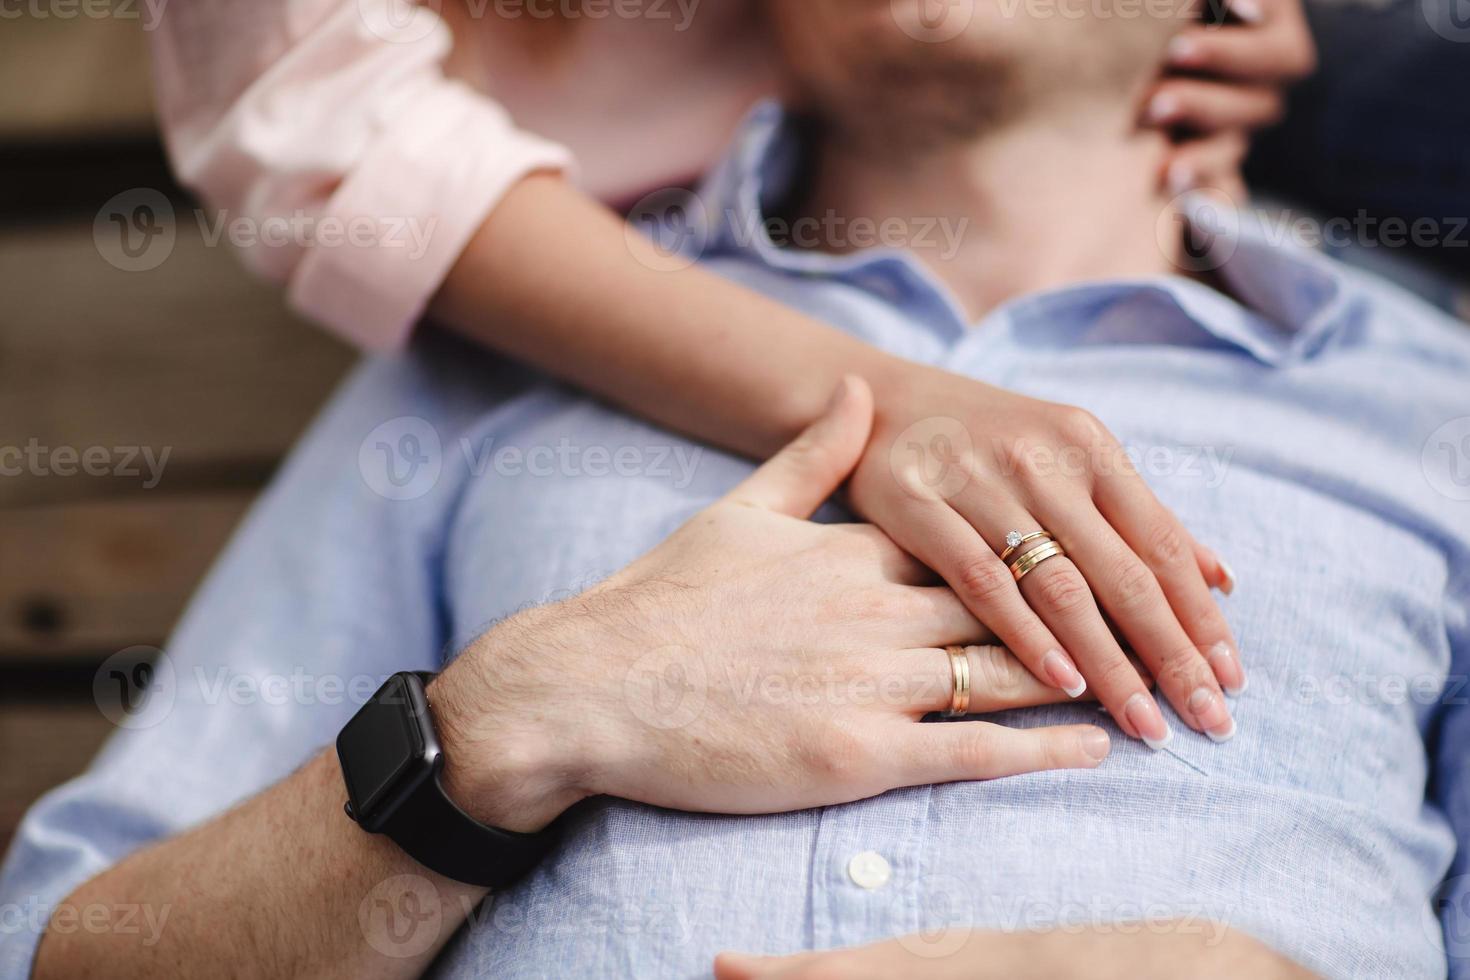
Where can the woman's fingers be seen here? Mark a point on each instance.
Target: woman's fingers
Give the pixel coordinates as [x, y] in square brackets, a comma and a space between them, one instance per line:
[799, 478]
[1172, 555]
[1215, 569]
[968, 750]
[1205, 106]
[1134, 596]
[945, 541]
[1059, 592]
[1278, 50]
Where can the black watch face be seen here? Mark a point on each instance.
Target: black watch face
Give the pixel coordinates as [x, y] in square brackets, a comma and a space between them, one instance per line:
[383, 747]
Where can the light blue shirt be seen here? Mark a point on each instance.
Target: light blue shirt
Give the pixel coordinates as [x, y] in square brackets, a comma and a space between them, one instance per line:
[1318, 440]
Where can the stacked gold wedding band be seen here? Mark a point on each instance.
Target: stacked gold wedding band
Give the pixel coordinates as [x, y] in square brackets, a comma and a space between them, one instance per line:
[1023, 565]
[959, 667]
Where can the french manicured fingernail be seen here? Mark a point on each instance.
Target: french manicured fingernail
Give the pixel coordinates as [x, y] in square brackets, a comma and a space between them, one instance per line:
[1163, 107]
[1063, 673]
[1182, 50]
[1228, 669]
[1247, 10]
[1210, 711]
[1144, 715]
[1096, 744]
[1227, 586]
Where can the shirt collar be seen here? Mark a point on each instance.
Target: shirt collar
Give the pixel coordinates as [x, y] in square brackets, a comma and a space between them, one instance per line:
[1295, 300]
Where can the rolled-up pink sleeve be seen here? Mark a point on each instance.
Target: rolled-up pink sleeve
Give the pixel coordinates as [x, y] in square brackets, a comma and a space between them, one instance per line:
[327, 143]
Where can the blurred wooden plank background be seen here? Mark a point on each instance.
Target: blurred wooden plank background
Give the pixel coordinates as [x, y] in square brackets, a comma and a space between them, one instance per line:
[192, 358]
[73, 73]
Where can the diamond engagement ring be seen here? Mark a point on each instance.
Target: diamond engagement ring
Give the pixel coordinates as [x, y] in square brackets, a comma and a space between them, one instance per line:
[1015, 539]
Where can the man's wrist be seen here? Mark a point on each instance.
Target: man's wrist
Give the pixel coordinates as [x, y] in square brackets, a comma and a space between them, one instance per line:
[513, 756]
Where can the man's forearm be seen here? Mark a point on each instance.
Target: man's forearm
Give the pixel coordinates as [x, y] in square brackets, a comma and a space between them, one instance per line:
[555, 279]
[282, 885]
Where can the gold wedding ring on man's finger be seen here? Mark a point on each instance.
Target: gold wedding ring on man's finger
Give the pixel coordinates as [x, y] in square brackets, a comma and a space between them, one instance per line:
[959, 668]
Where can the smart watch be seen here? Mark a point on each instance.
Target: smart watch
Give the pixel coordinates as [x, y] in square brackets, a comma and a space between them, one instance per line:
[391, 762]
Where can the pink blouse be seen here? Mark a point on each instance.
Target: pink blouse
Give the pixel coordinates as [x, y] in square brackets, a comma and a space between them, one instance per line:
[365, 141]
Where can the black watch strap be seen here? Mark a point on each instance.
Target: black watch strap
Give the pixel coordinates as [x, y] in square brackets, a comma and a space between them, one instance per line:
[431, 828]
[435, 832]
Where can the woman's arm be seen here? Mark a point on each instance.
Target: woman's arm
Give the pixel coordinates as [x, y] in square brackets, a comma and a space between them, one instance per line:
[554, 279]
[557, 280]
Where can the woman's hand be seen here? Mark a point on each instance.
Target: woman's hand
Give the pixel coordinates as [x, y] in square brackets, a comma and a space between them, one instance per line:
[1225, 81]
[954, 465]
[1140, 951]
[754, 662]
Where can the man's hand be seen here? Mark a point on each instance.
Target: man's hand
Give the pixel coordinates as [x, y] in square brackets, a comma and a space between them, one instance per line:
[955, 464]
[1145, 951]
[754, 662]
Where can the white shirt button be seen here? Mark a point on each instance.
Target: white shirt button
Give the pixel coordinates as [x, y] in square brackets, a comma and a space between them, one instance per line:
[869, 870]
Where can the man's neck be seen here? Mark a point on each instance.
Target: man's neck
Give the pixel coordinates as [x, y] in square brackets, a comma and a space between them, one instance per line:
[1041, 203]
